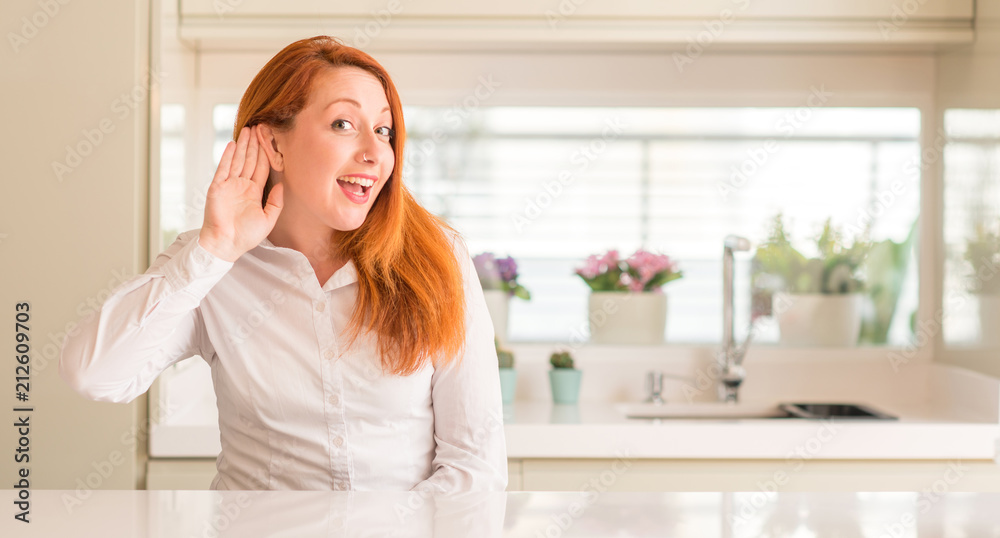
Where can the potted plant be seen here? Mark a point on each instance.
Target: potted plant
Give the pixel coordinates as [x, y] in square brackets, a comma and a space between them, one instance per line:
[983, 253]
[817, 301]
[627, 304]
[564, 378]
[498, 277]
[885, 272]
[508, 376]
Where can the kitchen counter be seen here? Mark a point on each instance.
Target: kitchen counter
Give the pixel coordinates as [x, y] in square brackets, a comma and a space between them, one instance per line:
[943, 413]
[160, 514]
[592, 430]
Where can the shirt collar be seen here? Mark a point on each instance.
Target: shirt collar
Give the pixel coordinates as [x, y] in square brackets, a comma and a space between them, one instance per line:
[344, 276]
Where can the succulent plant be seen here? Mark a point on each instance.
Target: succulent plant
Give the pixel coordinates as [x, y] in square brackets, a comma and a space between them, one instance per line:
[505, 357]
[561, 359]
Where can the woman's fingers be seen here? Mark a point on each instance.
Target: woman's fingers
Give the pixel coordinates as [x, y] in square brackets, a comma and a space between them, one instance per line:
[263, 166]
[241, 152]
[250, 163]
[275, 201]
[222, 172]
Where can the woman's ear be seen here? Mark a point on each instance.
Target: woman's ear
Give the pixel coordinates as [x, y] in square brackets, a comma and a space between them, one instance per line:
[269, 143]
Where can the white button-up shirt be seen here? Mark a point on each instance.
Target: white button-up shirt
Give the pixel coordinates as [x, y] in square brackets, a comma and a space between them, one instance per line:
[298, 409]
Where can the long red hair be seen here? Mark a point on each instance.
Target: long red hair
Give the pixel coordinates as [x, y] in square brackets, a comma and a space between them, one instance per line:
[410, 290]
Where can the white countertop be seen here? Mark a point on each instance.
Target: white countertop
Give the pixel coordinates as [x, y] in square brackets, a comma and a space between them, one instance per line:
[161, 514]
[593, 430]
[943, 412]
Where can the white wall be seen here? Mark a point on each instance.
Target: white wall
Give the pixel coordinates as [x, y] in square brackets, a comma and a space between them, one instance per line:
[66, 240]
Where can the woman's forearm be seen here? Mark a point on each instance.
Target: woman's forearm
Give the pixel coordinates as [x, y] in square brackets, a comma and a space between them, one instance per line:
[144, 326]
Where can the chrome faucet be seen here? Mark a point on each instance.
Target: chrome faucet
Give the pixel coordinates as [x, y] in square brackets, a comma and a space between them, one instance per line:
[732, 373]
[654, 385]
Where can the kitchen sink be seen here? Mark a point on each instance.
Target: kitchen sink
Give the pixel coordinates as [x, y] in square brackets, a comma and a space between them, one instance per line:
[707, 410]
[724, 410]
[837, 410]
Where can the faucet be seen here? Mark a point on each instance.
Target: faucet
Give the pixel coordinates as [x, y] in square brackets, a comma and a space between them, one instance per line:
[732, 373]
[654, 385]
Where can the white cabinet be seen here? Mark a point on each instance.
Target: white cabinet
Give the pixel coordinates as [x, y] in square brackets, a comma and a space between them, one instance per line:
[197, 474]
[593, 24]
[685, 475]
[601, 475]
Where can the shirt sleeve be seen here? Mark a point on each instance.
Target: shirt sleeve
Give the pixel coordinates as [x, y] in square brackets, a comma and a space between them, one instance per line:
[146, 324]
[471, 453]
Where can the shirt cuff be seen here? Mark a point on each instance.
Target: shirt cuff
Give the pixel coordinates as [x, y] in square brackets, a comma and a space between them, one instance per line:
[194, 269]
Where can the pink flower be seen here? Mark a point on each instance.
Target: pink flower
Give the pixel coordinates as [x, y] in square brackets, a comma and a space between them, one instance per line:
[642, 271]
[632, 284]
[591, 267]
[648, 266]
[595, 265]
[610, 259]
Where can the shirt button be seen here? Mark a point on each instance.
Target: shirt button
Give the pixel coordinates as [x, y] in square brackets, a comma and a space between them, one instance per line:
[335, 399]
[329, 354]
[320, 307]
[338, 441]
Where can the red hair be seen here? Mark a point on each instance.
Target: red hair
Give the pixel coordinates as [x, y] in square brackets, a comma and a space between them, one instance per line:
[410, 290]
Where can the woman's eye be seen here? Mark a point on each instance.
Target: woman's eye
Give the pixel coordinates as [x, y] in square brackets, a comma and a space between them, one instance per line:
[341, 124]
[385, 131]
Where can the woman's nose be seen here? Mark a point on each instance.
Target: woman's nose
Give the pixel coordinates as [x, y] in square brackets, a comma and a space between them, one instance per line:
[368, 152]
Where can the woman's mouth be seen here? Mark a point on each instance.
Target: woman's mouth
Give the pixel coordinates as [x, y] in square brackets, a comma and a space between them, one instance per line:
[356, 188]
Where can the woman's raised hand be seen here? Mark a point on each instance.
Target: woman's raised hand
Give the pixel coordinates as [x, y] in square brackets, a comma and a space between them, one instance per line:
[234, 221]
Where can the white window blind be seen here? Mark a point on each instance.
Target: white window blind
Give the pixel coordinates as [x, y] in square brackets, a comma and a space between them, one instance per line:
[970, 146]
[551, 185]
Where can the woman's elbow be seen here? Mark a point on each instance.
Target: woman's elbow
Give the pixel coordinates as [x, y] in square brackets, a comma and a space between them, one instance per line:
[83, 381]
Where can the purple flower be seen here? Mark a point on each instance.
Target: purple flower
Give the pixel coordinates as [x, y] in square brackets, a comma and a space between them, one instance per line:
[488, 270]
[499, 274]
[508, 269]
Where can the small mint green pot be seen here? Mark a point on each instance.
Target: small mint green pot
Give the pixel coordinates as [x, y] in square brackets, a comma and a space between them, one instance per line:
[565, 384]
[508, 384]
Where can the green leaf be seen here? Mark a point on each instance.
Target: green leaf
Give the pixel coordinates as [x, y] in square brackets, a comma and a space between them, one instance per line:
[522, 293]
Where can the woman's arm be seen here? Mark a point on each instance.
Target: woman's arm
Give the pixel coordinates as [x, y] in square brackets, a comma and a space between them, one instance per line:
[147, 324]
[153, 320]
[471, 453]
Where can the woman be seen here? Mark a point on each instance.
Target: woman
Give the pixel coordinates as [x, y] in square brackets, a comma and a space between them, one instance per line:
[347, 333]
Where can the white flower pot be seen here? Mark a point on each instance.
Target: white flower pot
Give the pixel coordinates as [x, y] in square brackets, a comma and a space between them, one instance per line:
[989, 320]
[618, 317]
[816, 319]
[498, 301]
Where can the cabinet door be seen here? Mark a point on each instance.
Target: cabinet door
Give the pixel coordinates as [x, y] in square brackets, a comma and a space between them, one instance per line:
[195, 474]
[758, 475]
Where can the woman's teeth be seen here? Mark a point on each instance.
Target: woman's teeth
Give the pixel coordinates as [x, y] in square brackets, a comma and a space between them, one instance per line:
[364, 182]
[356, 185]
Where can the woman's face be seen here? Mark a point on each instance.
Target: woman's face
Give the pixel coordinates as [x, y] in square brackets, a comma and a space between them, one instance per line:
[337, 156]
